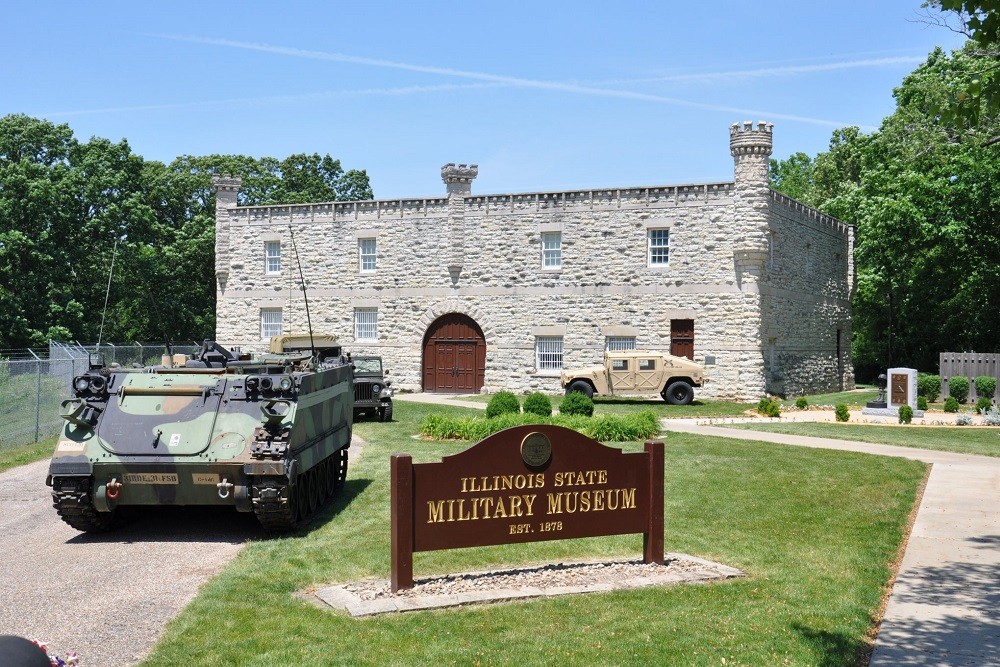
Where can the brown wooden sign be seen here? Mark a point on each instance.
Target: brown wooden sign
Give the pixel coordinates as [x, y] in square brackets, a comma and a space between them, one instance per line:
[525, 484]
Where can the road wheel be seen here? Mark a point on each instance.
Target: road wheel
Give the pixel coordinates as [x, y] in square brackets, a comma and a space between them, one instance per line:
[582, 387]
[678, 393]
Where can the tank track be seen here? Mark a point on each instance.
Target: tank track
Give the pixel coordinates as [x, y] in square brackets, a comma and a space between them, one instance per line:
[73, 502]
[280, 507]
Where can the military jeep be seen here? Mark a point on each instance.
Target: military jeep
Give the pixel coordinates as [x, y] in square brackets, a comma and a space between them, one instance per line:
[638, 373]
[372, 392]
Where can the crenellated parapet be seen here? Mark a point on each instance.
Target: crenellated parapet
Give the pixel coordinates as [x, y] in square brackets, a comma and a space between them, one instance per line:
[458, 177]
[747, 139]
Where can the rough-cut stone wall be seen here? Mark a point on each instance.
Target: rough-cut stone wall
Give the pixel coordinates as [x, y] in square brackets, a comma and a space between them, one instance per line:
[481, 256]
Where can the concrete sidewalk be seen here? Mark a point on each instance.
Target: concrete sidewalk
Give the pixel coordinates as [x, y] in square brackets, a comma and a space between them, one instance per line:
[944, 609]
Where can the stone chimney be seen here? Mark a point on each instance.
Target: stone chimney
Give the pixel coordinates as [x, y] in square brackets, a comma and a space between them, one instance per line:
[459, 177]
[226, 189]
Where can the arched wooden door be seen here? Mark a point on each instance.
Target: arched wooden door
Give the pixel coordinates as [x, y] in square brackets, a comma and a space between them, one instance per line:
[454, 355]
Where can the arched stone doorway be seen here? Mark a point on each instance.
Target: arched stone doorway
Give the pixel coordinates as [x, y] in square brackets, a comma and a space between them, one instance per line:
[454, 355]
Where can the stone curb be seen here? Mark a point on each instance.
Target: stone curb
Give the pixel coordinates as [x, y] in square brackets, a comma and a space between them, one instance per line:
[339, 597]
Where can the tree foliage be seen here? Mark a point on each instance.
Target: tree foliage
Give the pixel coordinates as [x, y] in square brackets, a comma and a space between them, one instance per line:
[926, 202]
[69, 209]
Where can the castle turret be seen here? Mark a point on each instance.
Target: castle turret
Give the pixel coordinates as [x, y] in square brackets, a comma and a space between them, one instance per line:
[751, 150]
[458, 179]
[226, 188]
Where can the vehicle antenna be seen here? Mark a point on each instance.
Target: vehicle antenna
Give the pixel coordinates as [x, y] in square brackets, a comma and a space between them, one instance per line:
[312, 345]
[107, 292]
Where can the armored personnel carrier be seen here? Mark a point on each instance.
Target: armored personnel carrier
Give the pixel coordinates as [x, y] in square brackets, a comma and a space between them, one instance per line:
[267, 435]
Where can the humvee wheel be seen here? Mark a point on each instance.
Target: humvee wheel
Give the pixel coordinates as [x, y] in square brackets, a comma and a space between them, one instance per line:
[582, 387]
[678, 393]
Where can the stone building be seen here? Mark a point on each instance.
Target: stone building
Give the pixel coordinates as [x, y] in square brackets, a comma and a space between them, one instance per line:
[467, 293]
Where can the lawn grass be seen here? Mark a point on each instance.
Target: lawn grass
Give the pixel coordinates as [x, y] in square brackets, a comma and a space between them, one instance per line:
[961, 439]
[11, 458]
[856, 398]
[815, 530]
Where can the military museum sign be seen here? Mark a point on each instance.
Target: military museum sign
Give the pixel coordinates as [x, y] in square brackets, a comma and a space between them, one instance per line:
[525, 484]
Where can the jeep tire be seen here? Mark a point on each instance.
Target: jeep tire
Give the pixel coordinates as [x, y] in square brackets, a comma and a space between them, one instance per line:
[582, 387]
[678, 392]
[385, 414]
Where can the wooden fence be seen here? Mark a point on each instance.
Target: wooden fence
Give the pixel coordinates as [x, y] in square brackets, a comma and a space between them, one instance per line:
[970, 365]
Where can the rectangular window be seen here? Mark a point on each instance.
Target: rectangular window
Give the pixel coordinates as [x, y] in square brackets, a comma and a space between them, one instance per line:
[270, 323]
[551, 250]
[618, 343]
[619, 364]
[549, 353]
[659, 247]
[647, 364]
[365, 323]
[366, 255]
[272, 257]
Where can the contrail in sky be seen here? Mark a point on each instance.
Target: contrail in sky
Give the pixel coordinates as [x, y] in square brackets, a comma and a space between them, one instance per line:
[520, 82]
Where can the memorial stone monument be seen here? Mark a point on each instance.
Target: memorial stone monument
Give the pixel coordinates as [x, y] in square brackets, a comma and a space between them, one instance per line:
[897, 387]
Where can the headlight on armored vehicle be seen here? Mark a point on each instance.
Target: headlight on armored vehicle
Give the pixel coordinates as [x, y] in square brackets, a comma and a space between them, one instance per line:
[81, 383]
[252, 383]
[285, 383]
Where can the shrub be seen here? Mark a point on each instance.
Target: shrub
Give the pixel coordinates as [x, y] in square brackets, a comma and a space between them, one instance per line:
[538, 403]
[929, 385]
[958, 388]
[623, 428]
[502, 403]
[983, 404]
[905, 414]
[986, 386]
[951, 405]
[577, 403]
[921, 402]
[842, 413]
[963, 420]
[607, 428]
[769, 407]
[801, 403]
[992, 417]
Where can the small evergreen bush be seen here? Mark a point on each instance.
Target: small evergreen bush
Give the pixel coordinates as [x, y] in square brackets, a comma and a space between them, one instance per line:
[905, 414]
[921, 402]
[801, 403]
[502, 403]
[951, 405]
[958, 388]
[929, 385]
[986, 386]
[983, 404]
[538, 403]
[577, 403]
[963, 420]
[992, 417]
[769, 407]
[842, 413]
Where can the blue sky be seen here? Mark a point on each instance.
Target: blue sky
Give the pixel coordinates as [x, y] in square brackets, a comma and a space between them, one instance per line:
[541, 95]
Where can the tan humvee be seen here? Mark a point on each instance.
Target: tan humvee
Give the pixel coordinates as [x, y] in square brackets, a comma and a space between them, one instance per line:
[638, 373]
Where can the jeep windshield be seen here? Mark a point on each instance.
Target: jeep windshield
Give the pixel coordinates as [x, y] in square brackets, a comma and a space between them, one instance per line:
[367, 365]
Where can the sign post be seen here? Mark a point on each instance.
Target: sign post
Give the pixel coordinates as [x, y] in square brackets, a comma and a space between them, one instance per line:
[525, 484]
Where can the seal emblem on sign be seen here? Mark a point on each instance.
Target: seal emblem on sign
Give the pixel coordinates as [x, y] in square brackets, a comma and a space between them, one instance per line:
[536, 449]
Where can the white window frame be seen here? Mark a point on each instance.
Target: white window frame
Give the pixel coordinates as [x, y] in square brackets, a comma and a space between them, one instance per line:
[551, 246]
[272, 258]
[619, 343]
[271, 323]
[366, 323]
[367, 255]
[658, 246]
[548, 353]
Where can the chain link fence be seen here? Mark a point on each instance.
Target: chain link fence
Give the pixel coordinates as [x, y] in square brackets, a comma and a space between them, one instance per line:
[35, 382]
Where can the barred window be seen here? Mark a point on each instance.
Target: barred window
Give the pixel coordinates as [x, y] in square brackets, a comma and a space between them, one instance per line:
[366, 255]
[551, 250]
[272, 257]
[270, 322]
[548, 353]
[659, 247]
[618, 343]
[365, 323]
